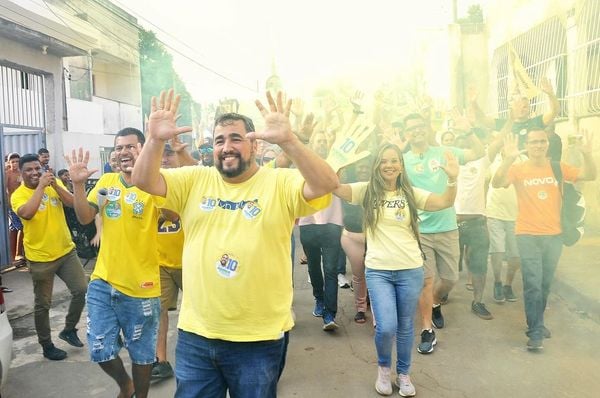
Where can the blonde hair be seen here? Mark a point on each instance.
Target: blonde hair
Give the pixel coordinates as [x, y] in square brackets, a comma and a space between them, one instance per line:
[375, 193]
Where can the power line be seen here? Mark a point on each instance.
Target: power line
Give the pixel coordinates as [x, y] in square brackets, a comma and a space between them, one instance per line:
[39, 23]
[155, 26]
[196, 62]
[119, 40]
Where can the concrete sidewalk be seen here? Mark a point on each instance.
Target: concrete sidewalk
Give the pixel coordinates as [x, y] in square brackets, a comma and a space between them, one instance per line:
[19, 303]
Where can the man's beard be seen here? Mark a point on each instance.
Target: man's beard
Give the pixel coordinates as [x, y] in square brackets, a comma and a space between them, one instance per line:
[242, 166]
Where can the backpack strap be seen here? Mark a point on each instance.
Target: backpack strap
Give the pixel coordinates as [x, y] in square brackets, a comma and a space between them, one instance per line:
[558, 175]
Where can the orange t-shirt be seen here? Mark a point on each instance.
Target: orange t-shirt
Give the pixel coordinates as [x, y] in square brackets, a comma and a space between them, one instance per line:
[538, 197]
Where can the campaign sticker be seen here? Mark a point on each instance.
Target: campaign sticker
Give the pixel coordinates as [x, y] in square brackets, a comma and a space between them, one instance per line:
[434, 165]
[227, 267]
[113, 194]
[113, 210]
[208, 204]
[251, 210]
[130, 198]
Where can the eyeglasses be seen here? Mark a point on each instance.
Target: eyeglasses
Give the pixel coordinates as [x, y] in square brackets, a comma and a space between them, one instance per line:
[205, 151]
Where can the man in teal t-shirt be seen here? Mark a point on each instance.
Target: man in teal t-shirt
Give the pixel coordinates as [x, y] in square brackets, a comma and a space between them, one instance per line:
[438, 230]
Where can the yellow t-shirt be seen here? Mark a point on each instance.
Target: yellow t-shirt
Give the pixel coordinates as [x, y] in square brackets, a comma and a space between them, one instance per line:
[236, 256]
[46, 235]
[170, 243]
[392, 246]
[128, 258]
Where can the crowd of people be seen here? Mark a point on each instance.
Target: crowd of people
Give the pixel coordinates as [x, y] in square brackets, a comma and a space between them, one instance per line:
[406, 209]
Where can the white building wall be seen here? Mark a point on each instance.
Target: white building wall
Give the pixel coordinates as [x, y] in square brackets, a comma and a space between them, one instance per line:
[85, 117]
[90, 142]
[19, 55]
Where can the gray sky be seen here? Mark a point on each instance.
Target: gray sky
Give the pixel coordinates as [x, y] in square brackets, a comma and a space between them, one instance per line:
[312, 41]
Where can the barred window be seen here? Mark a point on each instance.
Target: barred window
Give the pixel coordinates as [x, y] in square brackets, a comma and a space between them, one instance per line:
[586, 83]
[543, 53]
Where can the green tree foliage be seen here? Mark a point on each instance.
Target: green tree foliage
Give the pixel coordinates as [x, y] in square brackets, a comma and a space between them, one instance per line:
[156, 65]
[474, 15]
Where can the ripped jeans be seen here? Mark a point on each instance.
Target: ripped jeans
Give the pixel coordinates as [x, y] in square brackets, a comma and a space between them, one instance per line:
[111, 312]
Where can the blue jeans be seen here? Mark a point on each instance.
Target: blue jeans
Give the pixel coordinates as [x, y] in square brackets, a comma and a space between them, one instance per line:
[394, 296]
[323, 241]
[207, 368]
[539, 258]
[109, 313]
[341, 267]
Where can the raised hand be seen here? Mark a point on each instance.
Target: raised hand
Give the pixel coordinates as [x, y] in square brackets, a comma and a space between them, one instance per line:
[357, 102]
[277, 121]
[307, 128]
[472, 94]
[546, 86]
[451, 167]
[77, 163]
[177, 145]
[511, 146]
[461, 122]
[162, 121]
[297, 108]
[584, 141]
[344, 150]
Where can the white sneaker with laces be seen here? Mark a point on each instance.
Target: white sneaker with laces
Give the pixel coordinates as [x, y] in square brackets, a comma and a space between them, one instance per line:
[405, 385]
[383, 384]
[343, 282]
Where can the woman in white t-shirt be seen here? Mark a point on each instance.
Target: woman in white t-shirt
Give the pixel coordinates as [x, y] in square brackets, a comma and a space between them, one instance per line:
[394, 259]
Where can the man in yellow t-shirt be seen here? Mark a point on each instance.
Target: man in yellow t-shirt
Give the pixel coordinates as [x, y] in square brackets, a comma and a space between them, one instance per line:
[170, 249]
[39, 201]
[124, 291]
[237, 219]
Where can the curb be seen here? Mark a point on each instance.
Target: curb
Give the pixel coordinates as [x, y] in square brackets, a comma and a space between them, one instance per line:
[584, 305]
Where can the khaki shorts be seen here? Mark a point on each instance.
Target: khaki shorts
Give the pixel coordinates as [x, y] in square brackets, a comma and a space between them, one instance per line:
[170, 284]
[442, 253]
[502, 237]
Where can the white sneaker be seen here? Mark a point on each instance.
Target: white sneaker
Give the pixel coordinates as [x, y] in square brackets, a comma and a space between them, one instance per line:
[383, 384]
[406, 387]
[343, 282]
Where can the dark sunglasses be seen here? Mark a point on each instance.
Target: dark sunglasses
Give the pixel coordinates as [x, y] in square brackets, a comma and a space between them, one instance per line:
[206, 150]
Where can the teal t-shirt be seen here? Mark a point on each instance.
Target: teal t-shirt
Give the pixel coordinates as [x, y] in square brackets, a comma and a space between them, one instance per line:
[424, 172]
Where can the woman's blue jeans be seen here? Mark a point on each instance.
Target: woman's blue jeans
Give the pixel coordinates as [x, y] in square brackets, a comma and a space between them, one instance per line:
[394, 297]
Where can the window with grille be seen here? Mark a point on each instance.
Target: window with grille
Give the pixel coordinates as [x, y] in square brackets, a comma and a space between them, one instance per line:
[543, 53]
[586, 55]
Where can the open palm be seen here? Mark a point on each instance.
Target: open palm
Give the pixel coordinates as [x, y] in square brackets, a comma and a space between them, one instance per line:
[78, 162]
[162, 122]
[278, 129]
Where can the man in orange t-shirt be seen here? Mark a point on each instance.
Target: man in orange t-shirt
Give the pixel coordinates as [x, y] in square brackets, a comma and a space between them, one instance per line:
[538, 226]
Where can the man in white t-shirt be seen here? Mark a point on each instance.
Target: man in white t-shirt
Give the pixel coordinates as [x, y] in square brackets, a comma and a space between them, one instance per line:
[472, 226]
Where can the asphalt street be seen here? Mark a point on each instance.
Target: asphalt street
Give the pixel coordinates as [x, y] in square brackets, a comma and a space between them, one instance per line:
[474, 358]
